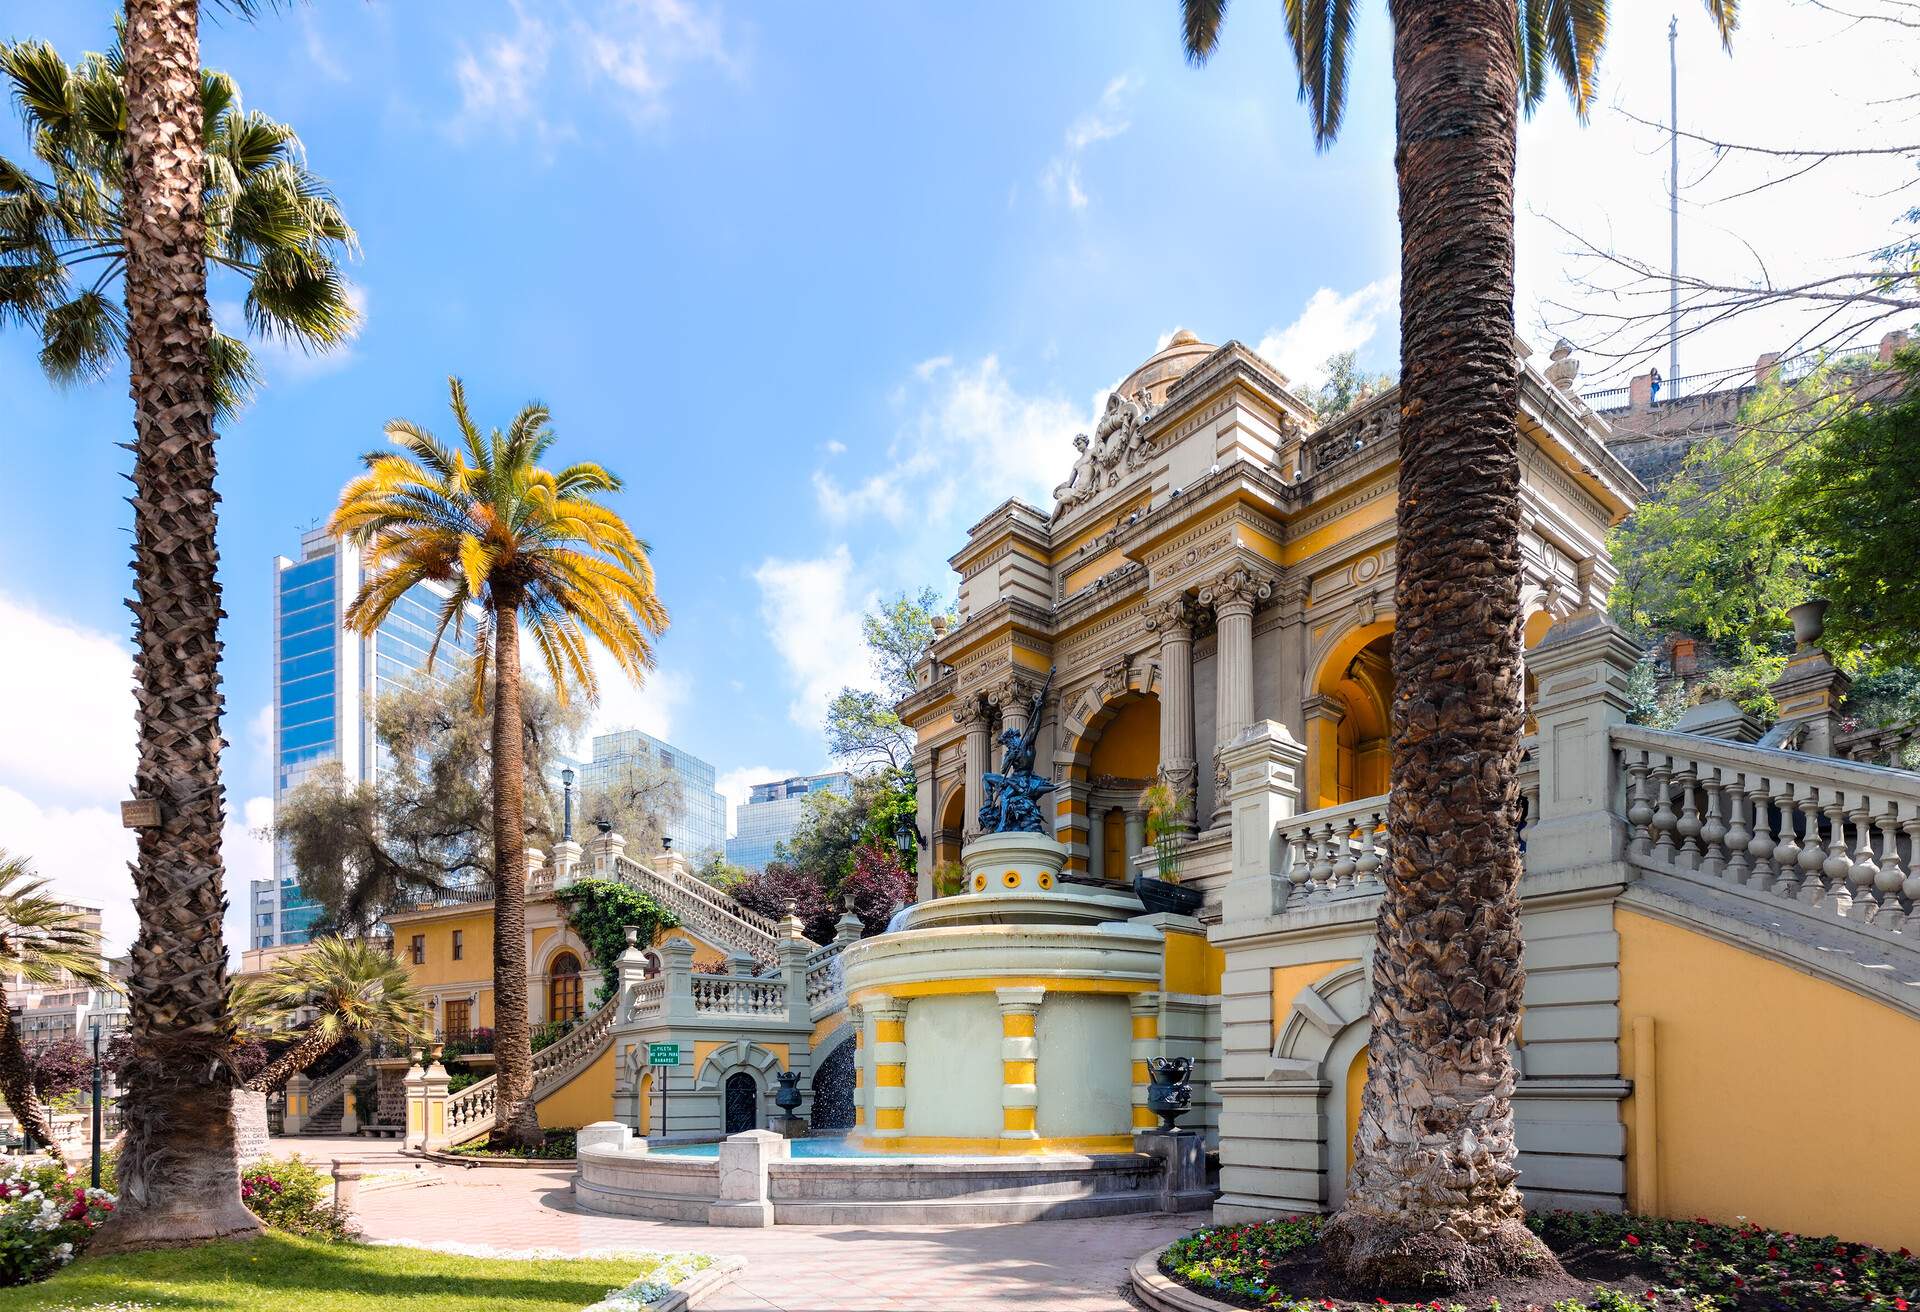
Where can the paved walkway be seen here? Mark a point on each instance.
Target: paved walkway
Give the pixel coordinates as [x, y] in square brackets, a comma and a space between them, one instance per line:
[1057, 1266]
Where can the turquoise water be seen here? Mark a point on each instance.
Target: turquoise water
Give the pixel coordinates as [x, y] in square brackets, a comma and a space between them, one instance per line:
[799, 1148]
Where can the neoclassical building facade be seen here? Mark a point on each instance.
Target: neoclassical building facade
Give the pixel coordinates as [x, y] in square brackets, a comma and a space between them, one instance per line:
[1217, 556]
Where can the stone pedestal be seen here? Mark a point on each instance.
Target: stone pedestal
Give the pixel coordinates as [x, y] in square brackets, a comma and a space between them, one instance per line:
[249, 1117]
[299, 1092]
[349, 1111]
[1263, 765]
[1018, 864]
[1183, 1174]
[743, 1179]
[346, 1184]
[609, 1134]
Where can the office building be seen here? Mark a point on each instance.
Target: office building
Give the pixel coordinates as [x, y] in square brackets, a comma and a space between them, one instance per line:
[697, 825]
[773, 811]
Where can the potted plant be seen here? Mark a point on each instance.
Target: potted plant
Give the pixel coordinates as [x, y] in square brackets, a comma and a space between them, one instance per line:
[1166, 830]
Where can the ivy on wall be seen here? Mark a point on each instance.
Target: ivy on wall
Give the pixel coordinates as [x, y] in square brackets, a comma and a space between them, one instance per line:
[599, 910]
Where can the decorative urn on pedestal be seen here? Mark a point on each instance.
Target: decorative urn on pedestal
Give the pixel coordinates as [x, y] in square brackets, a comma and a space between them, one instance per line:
[787, 1099]
[1170, 1096]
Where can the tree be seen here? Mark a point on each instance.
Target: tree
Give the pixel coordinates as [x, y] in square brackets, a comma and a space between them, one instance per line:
[59, 1067]
[836, 825]
[769, 891]
[178, 1177]
[1347, 385]
[528, 546]
[862, 727]
[1431, 1199]
[63, 250]
[354, 986]
[42, 941]
[877, 886]
[426, 824]
[638, 804]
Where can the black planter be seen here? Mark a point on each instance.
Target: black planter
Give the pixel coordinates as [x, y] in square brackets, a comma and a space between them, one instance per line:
[1170, 1096]
[1159, 895]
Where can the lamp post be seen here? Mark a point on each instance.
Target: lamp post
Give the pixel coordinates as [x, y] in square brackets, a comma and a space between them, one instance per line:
[566, 794]
[906, 834]
[96, 1104]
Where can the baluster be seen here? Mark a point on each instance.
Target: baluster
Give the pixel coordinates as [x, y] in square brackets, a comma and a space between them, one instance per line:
[1813, 851]
[1344, 862]
[1910, 889]
[1865, 873]
[1687, 827]
[1761, 845]
[1713, 832]
[1892, 879]
[1322, 873]
[1639, 810]
[1299, 867]
[1367, 868]
[1786, 856]
[1664, 819]
[1739, 837]
[1838, 867]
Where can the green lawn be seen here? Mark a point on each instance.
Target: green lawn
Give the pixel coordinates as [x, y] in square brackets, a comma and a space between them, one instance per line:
[278, 1271]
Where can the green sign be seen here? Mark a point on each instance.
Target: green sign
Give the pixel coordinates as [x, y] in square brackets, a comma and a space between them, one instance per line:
[663, 1054]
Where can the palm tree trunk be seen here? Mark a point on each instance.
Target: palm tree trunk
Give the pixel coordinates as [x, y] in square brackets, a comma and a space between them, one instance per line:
[179, 1178]
[1432, 1202]
[516, 1118]
[16, 1086]
[306, 1050]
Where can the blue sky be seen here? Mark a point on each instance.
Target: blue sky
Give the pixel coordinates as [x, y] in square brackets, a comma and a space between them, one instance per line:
[822, 282]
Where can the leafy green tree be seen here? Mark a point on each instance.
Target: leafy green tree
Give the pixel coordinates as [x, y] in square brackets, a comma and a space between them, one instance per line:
[862, 727]
[1346, 385]
[528, 546]
[638, 803]
[599, 911]
[835, 826]
[349, 986]
[426, 825]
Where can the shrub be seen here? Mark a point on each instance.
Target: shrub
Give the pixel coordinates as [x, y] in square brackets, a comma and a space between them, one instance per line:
[46, 1218]
[288, 1194]
[551, 1032]
[877, 886]
[599, 910]
[558, 1146]
[768, 892]
[463, 1080]
[59, 1067]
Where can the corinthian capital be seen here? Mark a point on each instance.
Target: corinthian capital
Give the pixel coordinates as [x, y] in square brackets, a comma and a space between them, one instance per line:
[1238, 587]
[1016, 690]
[970, 712]
[1175, 615]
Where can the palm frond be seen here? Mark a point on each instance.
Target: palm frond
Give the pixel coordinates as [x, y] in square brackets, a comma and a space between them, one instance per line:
[1200, 27]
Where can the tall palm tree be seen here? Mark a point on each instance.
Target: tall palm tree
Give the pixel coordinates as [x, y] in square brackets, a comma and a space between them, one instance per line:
[1432, 1200]
[527, 546]
[355, 987]
[42, 941]
[179, 1175]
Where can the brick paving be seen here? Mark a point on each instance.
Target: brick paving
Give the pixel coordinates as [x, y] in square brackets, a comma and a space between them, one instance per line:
[1057, 1266]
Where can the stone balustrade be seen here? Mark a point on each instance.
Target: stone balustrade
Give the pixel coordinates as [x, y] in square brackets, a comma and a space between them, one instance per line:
[647, 998]
[472, 1109]
[1827, 838]
[732, 995]
[710, 913]
[1334, 852]
[1893, 744]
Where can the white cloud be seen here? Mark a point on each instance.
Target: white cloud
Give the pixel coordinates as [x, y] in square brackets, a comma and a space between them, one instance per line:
[649, 708]
[813, 622]
[1062, 180]
[82, 850]
[835, 448]
[735, 785]
[637, 49]
[1329, 324]
[319, 53]
[260, 730]
[69, 734]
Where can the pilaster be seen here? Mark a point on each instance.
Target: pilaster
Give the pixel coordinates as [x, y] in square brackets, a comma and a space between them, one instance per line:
[1263, 766]
[889, 1096]
[1145, 1046]
[1019, 1062]
[1581, 670]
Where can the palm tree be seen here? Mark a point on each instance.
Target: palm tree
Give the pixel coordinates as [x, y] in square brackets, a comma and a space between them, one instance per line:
[41, 942]
[179, 1174]
[527, 546]
[1432, 1199]
[355, 986]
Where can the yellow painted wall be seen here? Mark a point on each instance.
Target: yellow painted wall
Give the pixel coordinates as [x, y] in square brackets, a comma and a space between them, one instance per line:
[1356, 1085]
[1129, 745]
[1289, 980]
[582, 1100]
[440, 969]
[1374, 513]
[1777, 1096]
[1190, 964]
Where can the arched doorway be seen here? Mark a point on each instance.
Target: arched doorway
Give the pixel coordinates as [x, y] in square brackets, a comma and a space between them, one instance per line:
[950, 826]
[742, 1103]
[566, 995]
[1116, 755]
[833, 1090]
[1349, 755]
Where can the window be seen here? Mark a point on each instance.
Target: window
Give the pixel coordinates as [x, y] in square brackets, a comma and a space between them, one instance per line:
[564, 989]
[459, 943]
[418, 949]
[457, 1018]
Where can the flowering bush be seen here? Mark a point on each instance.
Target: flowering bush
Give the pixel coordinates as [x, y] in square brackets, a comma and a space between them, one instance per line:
[46, 1217]
[637, 1296]
[1636, 1262]
[289, 1194]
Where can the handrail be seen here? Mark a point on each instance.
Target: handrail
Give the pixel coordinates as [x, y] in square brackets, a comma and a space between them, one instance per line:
[1335, 852]
[471, 1109]
[714, 915]
[331, 1086]
[734, 995]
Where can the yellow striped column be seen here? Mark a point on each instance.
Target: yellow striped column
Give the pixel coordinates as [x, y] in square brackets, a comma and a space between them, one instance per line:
[889, 1097]
[858, 1021]
[1146, 1044]
[1019, 1062]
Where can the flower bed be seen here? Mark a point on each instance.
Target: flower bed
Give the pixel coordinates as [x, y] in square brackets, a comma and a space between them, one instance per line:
[658, 1274]
[559, 1147]
[290, 1194]
[46, 1218]
[1621, 1263]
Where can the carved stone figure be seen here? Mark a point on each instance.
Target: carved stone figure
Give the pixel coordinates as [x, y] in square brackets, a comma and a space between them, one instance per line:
[1012, 793]
[1117, 430]
[1082, 483]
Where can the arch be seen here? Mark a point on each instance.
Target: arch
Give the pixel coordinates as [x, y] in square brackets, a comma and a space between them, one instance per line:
[740, 1103]
[566, 991]
[1112, 730]
[1349, 715]
[950, 824]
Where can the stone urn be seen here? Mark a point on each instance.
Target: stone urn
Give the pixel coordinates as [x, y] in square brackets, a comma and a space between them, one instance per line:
[1809, 622]
[787, 1099]
[1170, 1096]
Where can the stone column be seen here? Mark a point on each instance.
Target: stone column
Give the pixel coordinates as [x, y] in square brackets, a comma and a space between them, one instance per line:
[1019, 1062]
[1096, 840]
[973, 715]
[676, 967]
[744, 1159]
[1173, 621]
[1810, 688]
[1263, 769]
[889, 1096]
[1323, 715]
[1581, 669]
[1146, 1046]
[923, 802]
[607, 850]
[349, 1111]
[433, 1090]
[792, 953]
[1136, 838]
[415, 1081]
[566, 862]
[1233, 596]
[856, 1017]
[299, 1092]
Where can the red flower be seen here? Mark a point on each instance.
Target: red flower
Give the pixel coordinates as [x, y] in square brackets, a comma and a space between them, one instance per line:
[1900, 1304]
[1633, 1240]
[1773, 1250]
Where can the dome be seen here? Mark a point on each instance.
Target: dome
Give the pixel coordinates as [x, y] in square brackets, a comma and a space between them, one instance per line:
[1161, 369]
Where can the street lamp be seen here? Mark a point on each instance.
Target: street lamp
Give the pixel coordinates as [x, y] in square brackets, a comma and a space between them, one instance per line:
[566, 791]
[96, 1104]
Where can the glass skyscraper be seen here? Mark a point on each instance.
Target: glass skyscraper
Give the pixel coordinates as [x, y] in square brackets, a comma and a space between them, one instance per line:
[699, 827]
[773, 811]
[326, 682]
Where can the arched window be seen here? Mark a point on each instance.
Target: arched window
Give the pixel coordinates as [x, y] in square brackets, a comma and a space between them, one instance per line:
[564, 996]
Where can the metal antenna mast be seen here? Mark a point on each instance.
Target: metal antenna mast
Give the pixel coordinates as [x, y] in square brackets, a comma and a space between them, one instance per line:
[1673, 199]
